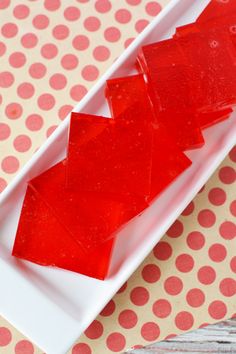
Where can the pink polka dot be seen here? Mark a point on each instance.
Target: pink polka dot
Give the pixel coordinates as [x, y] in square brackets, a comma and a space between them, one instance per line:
[195, 240]
[233, 264]
[37, 70]
[5, 131]
[60, 32]
[127, 319]
[49, 51]
[123, 16]
[228, 287]
[189, 209]
[29, 40]
[170, 336]
[203, 325]
[201, 190]
[51, 130]
[2, 49]
[69, 61]
[150, 331]
[41, 22]
[128, 42]
[122, 289]
[90, 73]
[21, 11]
[95, 330]
[176, 229]
[58, 81]
[81, 348]
[52, 5]
[217, 309]
[227, 175]
[25, 90]
[34, 122]
[217, 252]
[9, 30]
[80, 42]
[3, 185]
[5, 334]
[116, 342]
[206, 218]
[6, 79]
[184, 320]
[17, 59]
[140, 25]
[101, 53]
[133, 2]
[206, 275]
[108, 309]
[10, 164]
[103, 6]
[228, 230]
[64, 111]
[139, 296]
[195, 297]
[72, 13]
[162, 251]
[22, 143]
[232, 154]
[162, 308]
[4, 4]
[217, 196]
[173, 285]
[92, 24]
[77, 92]
[24, 347]
[153, 8]
[13, 110]
[112, 34]
[151, 273]
[46, 101]
[184, 263]
[233, 208]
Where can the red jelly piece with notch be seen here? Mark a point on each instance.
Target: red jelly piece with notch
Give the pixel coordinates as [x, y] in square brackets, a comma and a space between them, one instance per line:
[169, 78]
[208, 119]
[42, 239]
[168, 161]
[214, 66]
[117, 161]
[90, 218]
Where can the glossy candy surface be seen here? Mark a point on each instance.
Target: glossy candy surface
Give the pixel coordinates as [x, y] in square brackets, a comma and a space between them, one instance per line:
[42, 239]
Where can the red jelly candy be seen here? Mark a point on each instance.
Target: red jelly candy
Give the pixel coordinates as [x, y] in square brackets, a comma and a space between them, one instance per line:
[117, 161]
[41, 238]
[214, 66]
[169, 89]
[217, 9]
[167, 160]
[206, 120]
[89, 218]
[124, 92]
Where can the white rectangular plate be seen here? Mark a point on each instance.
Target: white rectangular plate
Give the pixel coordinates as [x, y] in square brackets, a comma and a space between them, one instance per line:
[51, 306]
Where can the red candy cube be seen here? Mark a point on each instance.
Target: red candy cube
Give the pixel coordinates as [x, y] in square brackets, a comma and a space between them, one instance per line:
[218, 9]
[41, 238]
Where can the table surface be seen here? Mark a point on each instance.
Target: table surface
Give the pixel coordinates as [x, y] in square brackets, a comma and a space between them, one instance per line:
[218, 338]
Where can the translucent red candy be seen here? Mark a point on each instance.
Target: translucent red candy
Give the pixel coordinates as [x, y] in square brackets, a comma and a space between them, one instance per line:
[41, 238]
[218, 9]
[89, 218]
[169, 77]
[167, 163]
[116, 161]
[214, 68]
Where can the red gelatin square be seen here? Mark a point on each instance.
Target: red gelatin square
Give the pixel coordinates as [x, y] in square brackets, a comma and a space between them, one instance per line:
[90, 218]
[168, 161]
[217, 9]
[124, 92]
[42, 239]
[208, 119]
[117, 161]
[214, 66]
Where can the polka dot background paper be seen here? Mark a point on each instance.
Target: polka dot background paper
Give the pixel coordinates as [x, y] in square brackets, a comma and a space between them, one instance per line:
[51, 53]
